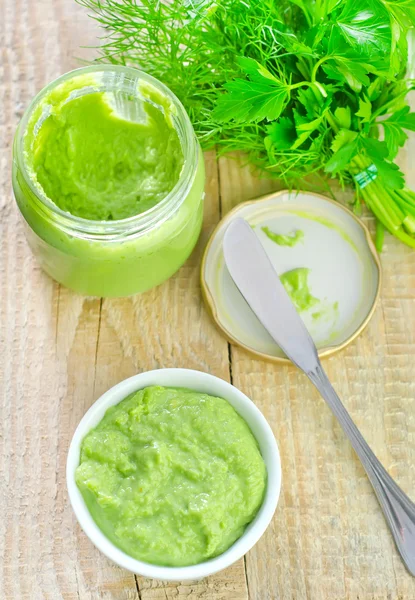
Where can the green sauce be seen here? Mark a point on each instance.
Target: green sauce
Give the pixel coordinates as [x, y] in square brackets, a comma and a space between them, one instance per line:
[296, 285]
[172, 476]
[284, 240]
[326, 223]
[108, 156]
[327, 311]
[95, 164]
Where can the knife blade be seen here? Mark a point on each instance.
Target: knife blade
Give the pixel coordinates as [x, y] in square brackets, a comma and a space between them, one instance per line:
[258, 282]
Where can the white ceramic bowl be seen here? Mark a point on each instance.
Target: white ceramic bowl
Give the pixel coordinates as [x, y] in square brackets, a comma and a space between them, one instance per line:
[200, 382]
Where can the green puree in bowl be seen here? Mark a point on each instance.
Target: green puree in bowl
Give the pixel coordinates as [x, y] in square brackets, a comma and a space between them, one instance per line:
[172, 476]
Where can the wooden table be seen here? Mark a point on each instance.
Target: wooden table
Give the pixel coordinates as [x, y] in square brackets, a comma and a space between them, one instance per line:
[60, 351]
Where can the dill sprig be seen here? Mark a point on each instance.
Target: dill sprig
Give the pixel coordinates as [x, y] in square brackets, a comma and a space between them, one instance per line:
[193, 47]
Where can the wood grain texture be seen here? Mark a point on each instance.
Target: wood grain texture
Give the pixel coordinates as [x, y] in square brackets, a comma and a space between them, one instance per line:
[60, 351]
[328, 538]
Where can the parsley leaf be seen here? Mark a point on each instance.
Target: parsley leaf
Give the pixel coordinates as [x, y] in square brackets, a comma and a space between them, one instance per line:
[403, 11]
[393, 127]
[343, 116]
[364, 25]
[262, 97]
[345, 147]
[311, 103]
[344, 70]
[365, 110]
[282, 133]
[377, 152]
[305, 127]
[343, 137]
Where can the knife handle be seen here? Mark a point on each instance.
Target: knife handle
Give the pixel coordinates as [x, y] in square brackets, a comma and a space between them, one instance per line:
[398, 509]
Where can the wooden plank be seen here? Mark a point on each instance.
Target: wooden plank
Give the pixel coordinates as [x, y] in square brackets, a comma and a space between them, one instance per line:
[169, 327]
[79, 568]
[48, 349]
[328, 539]
[229, 584]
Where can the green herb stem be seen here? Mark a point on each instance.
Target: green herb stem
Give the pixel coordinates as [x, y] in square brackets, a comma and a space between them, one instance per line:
[408, 196]
[372, 197]
[385, 217]
[383, 109]
[316, 67]
[409, 224]
[295, 86]
[406, 208]
[380, 235]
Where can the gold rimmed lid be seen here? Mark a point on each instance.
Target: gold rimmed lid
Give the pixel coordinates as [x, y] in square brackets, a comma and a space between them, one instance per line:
[334, 273]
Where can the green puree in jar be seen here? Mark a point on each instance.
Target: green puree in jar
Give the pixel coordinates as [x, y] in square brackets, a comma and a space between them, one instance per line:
[172, 476]
[95, 164]
[109, 177]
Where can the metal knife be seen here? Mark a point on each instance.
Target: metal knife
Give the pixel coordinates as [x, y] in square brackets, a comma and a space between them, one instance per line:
[258, 282]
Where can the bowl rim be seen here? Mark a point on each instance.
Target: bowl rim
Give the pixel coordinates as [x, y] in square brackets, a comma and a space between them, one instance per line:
[199, 381]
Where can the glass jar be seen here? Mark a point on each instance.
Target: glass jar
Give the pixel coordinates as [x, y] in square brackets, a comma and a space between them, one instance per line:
[118, 257]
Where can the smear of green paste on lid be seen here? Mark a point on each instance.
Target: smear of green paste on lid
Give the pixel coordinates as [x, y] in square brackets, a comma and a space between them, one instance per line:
[297, 287]
[281, 239]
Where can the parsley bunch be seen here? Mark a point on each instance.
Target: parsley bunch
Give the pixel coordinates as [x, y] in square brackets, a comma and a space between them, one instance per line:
[310, 89]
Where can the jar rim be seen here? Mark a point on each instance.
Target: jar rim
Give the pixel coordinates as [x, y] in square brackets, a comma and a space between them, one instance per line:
[134, 224]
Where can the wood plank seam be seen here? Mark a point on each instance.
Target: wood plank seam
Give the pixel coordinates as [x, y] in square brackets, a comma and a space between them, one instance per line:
[97, 344]
[138, 587]
[57, 314]
[229, 345]
[246, 579]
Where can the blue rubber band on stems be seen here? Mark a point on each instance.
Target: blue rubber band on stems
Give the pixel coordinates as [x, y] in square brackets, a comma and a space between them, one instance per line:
[367, 176]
